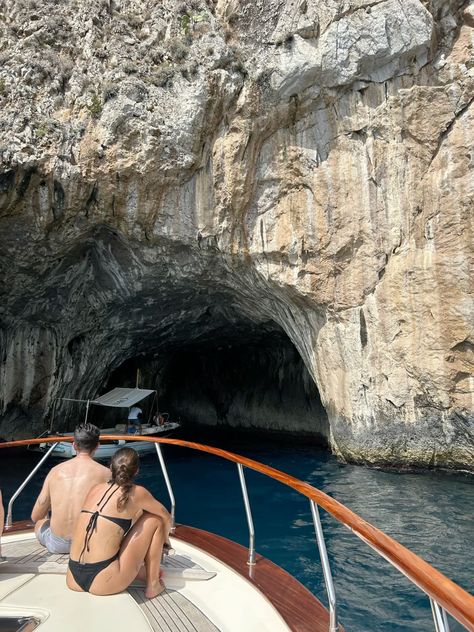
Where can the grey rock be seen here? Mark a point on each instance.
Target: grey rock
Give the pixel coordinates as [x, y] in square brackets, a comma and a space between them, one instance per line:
[265, 207]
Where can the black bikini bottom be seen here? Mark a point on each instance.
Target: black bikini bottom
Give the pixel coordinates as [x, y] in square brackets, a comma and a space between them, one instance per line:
[84, 574]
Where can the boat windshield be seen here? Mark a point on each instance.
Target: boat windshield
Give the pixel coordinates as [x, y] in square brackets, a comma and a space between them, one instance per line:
[18, 624]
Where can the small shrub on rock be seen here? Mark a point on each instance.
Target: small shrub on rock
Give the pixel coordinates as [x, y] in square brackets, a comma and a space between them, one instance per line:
[109, 91]
[157, 55]
[134, 20]
[101, 53]
[162, 77]
[95, 106]
[130, 68]
[178, 51]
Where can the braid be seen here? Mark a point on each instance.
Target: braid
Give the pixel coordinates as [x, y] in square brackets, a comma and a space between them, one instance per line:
[126, 485]
[124, 466]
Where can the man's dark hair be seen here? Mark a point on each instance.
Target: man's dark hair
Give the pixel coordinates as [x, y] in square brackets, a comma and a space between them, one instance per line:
[86, 437]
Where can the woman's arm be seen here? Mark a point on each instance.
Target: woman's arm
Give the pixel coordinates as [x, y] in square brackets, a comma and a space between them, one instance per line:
[147, 502]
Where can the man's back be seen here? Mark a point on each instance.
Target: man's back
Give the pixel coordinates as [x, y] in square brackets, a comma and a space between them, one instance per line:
[69, 483]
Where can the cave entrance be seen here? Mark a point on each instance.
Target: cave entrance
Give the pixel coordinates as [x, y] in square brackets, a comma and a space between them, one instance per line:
[247, 380]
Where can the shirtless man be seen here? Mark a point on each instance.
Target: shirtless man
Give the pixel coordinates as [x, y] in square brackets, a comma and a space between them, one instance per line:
[65, 489]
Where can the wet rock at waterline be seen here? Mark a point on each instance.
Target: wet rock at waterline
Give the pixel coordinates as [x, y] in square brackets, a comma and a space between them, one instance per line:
[280, 176]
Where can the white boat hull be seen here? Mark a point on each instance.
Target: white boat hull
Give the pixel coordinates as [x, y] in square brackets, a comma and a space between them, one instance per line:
[32, 584]
[65, 449]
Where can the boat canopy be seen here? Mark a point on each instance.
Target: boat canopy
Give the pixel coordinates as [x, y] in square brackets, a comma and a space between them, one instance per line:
[122, 397]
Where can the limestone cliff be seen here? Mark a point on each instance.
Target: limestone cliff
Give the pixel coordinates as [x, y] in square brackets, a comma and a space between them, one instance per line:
[182, 173]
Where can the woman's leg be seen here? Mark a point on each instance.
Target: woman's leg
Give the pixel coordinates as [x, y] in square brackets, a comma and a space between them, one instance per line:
[150, 570]
[152, 562]
[144, 542]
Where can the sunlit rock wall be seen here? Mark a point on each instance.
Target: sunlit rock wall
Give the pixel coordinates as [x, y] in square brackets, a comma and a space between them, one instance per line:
[296, 162]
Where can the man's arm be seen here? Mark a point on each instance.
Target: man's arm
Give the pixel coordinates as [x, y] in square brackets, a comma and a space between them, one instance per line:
[43, 503]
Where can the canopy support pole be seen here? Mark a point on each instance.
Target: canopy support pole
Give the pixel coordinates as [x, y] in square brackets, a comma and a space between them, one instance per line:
[87, 410]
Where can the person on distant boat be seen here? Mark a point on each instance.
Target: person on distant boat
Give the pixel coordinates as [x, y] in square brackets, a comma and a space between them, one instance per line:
[159, 419]
[107, 552]
[65, 489]
[135, 417]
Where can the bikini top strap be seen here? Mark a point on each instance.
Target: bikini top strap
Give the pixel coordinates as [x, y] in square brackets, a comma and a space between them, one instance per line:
[108, 497]
[92, 524]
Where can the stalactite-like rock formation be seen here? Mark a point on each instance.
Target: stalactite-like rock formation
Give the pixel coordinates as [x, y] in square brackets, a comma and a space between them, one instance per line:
[227, 173]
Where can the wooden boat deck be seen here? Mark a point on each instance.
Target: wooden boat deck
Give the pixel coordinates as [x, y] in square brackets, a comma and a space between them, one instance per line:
[173, 612]
[28, 556]
[169, 612]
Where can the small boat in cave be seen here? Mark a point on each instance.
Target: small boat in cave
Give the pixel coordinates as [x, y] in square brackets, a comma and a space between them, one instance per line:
[212, 584]
[160, 426]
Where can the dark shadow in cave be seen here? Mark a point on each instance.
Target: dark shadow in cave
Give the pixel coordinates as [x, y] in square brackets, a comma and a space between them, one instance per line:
[253, 383]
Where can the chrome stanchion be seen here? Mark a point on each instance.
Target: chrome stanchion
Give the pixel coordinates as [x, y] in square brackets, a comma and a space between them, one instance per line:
[445, 619]
[168, 484]
[251, 560]
[439, 616]
[333, 626]
[8, 522]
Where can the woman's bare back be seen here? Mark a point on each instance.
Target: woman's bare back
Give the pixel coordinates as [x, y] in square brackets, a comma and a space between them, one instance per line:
[107, 536]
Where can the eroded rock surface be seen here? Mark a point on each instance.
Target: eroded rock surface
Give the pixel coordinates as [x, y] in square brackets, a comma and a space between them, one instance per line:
[179, 173]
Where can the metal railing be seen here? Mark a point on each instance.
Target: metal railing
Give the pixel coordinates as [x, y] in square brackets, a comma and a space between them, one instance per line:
[445, 596]
[8, 521]
[326, 567]
[248, 512]
[168, 485]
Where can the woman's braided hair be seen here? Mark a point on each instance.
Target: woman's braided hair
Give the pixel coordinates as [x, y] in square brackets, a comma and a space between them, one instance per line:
[124, 466]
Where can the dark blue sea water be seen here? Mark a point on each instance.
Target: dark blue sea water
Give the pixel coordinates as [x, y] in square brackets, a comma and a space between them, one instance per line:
[431, 513]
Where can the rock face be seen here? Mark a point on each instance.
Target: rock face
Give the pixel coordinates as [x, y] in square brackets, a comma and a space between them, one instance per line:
[180, 176]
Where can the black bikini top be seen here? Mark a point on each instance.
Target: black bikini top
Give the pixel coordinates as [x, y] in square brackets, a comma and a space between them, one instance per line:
[123, 523]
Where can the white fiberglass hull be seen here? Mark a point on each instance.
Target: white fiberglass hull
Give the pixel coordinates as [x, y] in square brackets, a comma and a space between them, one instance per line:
[65, 449]
[34, 585]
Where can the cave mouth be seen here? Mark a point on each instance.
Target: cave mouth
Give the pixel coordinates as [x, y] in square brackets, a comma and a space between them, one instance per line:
[251, 380]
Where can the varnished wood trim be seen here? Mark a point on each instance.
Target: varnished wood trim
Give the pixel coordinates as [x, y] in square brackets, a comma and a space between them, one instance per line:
[455, 600]
[297, 606]
[20, 525]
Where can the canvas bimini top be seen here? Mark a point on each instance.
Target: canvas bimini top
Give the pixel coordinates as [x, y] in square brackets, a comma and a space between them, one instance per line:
[122, 397]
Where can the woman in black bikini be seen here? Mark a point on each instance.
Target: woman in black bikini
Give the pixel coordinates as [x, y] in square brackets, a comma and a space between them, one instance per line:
[107, 552]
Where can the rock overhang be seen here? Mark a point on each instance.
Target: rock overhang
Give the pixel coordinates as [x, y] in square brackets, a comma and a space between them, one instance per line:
[338, 212]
